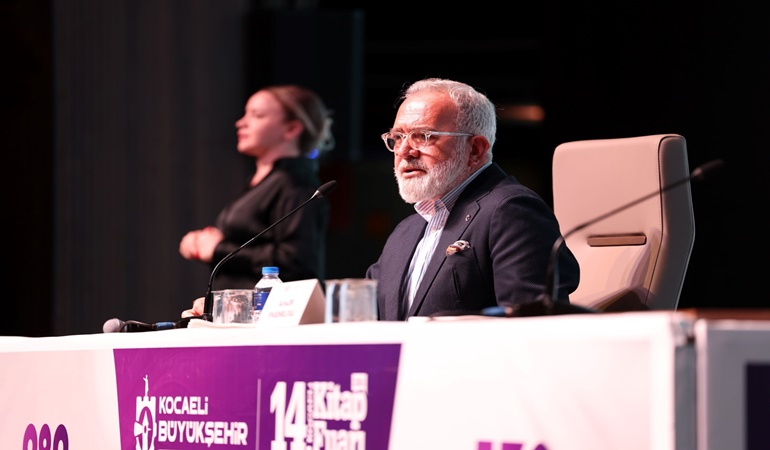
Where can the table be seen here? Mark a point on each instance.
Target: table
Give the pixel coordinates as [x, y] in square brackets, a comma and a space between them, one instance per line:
[605, 381]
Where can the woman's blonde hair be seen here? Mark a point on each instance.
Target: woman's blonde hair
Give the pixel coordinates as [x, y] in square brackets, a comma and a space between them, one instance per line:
[302, 104]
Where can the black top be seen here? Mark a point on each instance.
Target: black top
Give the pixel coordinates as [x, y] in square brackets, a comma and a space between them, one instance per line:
[297, 245]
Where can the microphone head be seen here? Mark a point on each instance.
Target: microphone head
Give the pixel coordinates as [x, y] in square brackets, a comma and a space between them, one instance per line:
[706, 170]
[112, 326]
[326, 188]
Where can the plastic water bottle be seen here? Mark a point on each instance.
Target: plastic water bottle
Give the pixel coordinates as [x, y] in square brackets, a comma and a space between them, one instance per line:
[263, 287]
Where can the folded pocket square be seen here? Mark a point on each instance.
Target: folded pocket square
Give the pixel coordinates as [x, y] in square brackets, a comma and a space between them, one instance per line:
[457, 247]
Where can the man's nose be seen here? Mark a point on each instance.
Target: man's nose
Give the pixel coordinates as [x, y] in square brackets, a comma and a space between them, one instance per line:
[405, 149]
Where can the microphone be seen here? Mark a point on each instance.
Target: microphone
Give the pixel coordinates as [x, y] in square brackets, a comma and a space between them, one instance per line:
[548, 303]
[131, 326]
[208, 305]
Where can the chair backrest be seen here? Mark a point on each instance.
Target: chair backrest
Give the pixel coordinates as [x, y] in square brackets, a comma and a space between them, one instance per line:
[634, 258]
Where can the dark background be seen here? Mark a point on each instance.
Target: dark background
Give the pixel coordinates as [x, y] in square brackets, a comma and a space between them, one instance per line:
[118, 125]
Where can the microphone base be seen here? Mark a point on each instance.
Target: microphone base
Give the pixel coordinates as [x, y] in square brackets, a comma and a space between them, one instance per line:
[538, 308]
[532, 309]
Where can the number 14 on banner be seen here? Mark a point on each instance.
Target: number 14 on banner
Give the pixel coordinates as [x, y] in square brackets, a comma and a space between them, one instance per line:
[324, 405]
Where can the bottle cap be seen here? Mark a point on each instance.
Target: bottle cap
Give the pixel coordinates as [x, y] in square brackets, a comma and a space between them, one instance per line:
[272, 270]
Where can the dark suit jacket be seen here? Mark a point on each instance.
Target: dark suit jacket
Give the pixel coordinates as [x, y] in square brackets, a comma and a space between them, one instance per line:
[511, 231]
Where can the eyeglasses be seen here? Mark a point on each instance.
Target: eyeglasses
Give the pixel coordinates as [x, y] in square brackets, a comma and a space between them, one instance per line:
[417, 139]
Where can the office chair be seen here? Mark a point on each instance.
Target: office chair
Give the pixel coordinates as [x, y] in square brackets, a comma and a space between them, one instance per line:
[625, 211]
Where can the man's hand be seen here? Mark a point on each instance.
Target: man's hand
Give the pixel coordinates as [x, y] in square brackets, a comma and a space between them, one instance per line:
[196, 310]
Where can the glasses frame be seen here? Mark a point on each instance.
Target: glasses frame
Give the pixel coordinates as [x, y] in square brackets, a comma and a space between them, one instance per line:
[407, 137]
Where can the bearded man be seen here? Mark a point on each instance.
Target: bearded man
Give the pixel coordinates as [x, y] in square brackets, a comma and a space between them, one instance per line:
[478, 238]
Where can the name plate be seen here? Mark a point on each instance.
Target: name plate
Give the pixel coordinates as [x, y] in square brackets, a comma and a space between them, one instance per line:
[293, 303]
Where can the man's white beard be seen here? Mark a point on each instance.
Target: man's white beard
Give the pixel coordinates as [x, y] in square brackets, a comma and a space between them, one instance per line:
[436, 182]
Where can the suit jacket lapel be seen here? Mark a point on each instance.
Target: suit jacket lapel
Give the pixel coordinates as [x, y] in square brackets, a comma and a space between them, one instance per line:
[461, 216]
[458, 221]
[393, 283]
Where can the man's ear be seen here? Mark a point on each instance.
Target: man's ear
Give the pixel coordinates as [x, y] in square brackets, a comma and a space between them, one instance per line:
[479, 148]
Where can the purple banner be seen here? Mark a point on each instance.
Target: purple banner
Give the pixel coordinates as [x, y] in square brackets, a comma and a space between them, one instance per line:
[303, 397]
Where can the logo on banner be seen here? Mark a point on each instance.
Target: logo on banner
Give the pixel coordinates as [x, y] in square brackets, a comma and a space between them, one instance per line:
[160, 418]
[145, 425]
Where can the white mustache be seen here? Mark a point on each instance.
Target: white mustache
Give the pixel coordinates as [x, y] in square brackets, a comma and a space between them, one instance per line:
[411, 165]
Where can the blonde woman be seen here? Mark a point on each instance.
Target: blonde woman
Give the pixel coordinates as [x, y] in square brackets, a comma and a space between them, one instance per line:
[283, 128]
